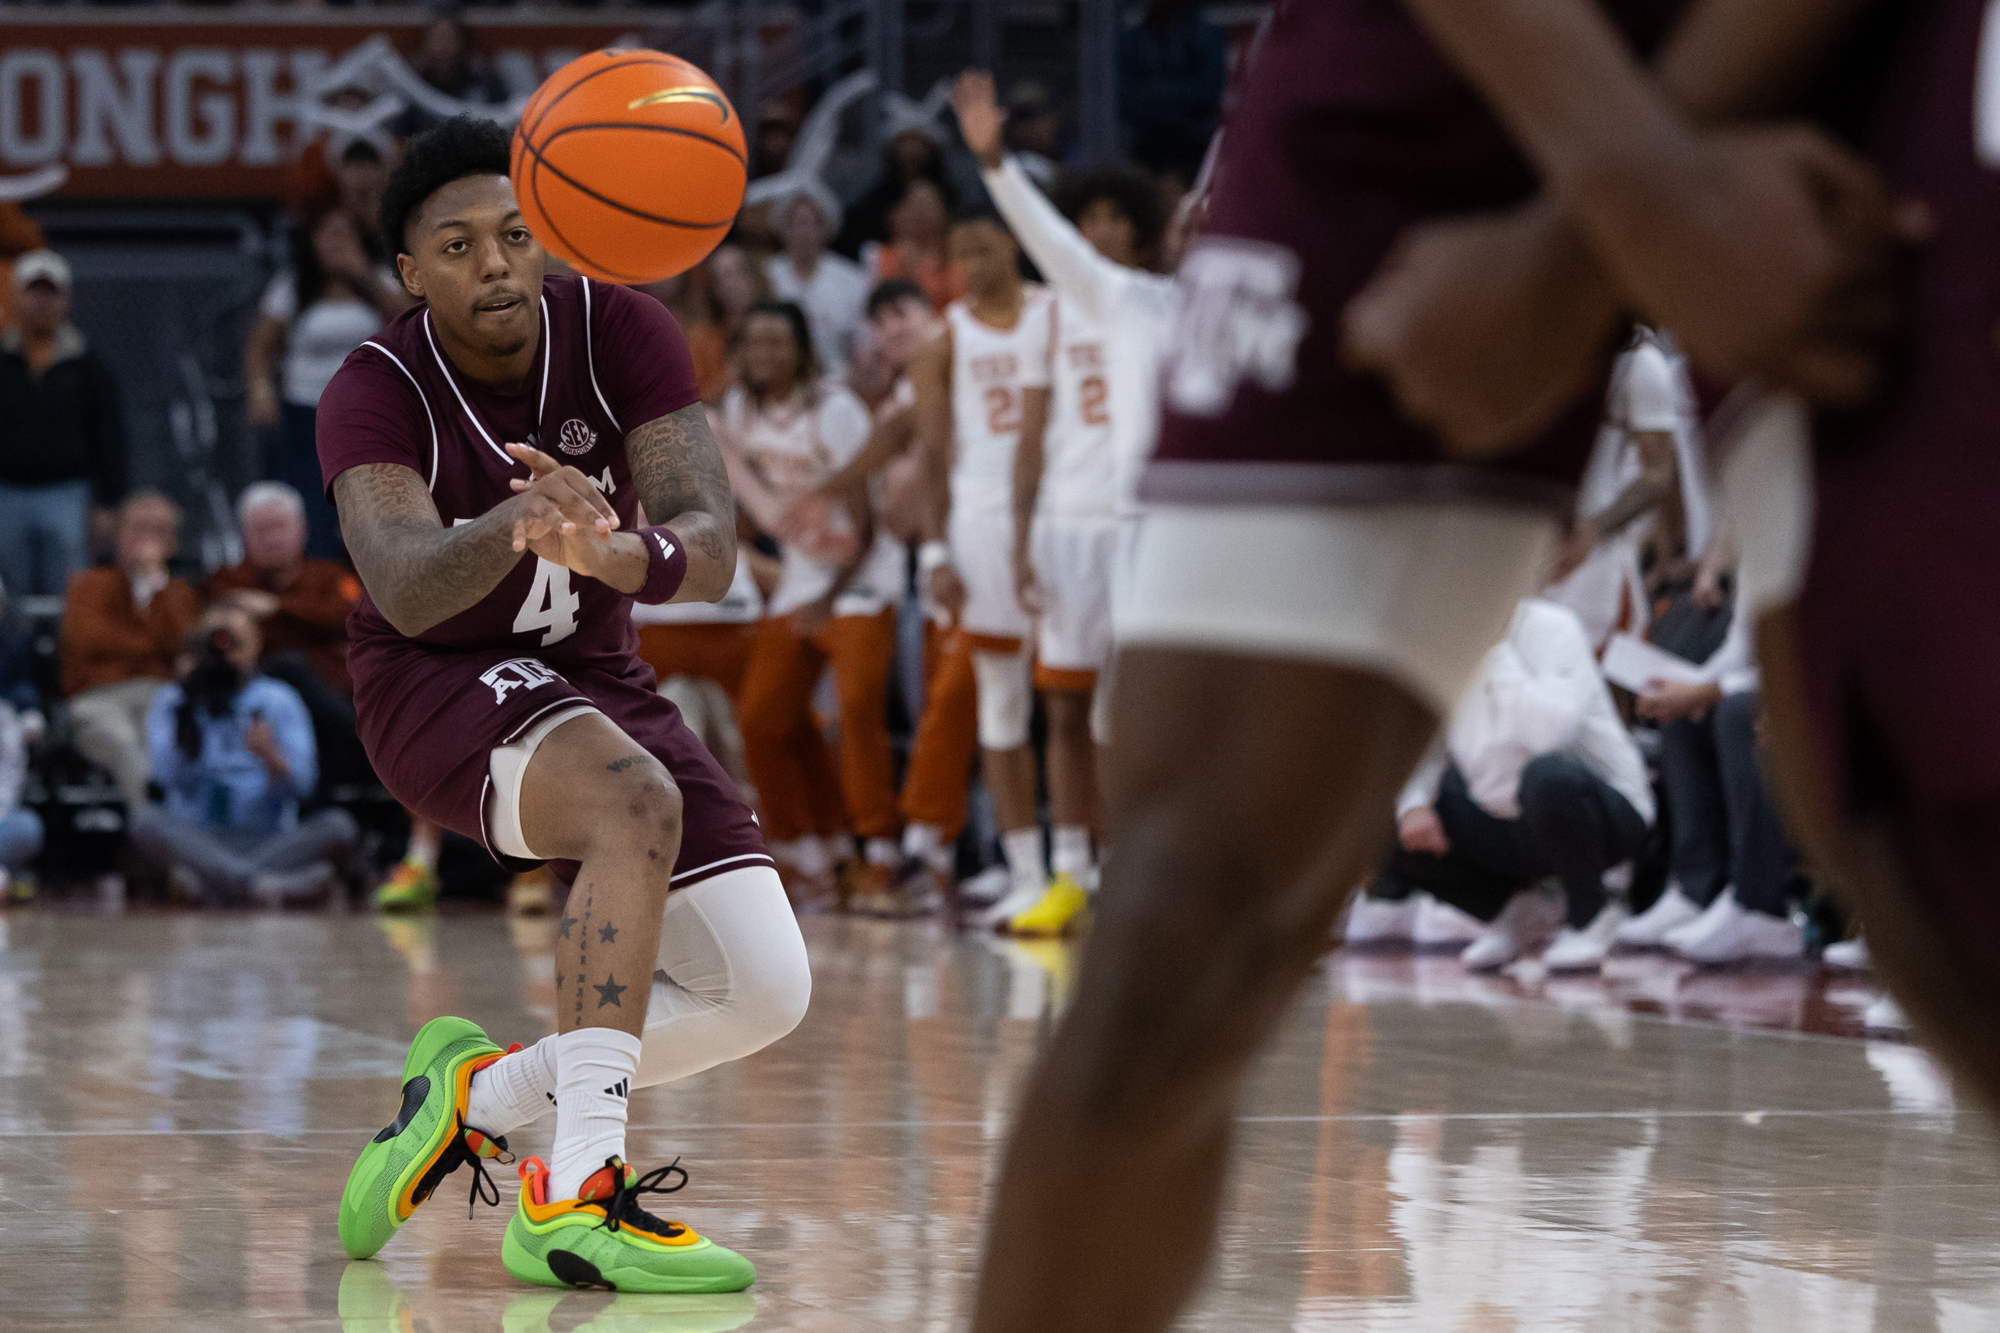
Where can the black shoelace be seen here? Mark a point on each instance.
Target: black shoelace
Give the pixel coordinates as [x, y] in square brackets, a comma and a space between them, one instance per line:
[484, 1188]
[623, 1205]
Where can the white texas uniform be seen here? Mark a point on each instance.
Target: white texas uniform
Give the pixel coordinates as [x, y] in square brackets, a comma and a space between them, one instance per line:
[1137, 306]
[796, 446]
[1075, 537]
[990, 370]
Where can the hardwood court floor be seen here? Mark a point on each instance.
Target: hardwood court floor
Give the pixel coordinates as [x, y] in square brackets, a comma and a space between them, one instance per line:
[181, 1095]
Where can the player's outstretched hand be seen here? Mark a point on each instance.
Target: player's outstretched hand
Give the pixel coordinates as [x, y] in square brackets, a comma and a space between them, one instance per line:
[1485, 326]
[981, 119]
[1771, 252]
[559, 514]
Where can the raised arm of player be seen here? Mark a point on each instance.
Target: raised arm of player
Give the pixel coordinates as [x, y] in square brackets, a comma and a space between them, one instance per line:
[422, 573]
[1085, 278]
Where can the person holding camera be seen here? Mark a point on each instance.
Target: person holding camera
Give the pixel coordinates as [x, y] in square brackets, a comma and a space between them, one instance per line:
[233, 751]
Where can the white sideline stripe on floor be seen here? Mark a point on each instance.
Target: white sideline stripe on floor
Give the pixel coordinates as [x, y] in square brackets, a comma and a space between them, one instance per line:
[1753, 1115]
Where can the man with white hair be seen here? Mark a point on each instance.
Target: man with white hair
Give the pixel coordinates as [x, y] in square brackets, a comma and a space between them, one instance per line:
[301, 604]
[831, 290]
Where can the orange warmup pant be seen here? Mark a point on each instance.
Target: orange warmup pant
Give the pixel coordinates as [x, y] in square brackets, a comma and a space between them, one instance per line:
[781, 741]
[720, 653]
[947, 738]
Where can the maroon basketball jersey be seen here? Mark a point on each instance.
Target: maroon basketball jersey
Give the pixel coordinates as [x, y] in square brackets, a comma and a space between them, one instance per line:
[610, 361]
[1348, 126]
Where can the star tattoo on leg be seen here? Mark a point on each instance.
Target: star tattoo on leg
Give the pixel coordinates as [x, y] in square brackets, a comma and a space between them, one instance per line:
[609, 935]
[563, 925]
[609, 992]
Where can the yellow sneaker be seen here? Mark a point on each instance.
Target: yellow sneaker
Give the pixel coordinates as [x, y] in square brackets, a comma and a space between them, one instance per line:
[409, 888]
[1062, 909]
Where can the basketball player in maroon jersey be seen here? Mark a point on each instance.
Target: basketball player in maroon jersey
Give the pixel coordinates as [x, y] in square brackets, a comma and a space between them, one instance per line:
[1875, 633]
[490, 453]
[1267, 709]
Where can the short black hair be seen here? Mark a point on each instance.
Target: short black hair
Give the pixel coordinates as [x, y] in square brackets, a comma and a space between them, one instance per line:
[979, 210]
[1127, 189]
[793, 314]
[891, 290]
[460, 147]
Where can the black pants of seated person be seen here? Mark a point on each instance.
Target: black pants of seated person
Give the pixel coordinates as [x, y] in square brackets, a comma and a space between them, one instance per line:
[1726, 830]
[1573, 825]
[342, 760]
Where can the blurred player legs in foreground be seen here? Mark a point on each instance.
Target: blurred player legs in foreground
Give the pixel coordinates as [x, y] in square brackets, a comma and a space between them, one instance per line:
[1309, 594]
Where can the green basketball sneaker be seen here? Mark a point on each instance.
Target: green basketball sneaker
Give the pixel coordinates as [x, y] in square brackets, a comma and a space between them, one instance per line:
[603, 1238]
[427, 1141]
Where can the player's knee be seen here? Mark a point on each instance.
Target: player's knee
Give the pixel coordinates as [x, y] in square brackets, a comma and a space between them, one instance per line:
[770, 997]
[650, 806]
[1006, 700]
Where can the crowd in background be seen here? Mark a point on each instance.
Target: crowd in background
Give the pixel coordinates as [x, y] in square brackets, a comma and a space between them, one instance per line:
[1566, 792]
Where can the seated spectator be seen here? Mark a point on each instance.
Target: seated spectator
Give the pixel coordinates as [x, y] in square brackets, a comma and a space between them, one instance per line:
[1034, 132]
[121, 630]
[1172, 68]
[830, 289]
[915, 151]
[331, 300]
[62, 440]
[233, 751]
[301, 605]
[1535, 779]
[448, 59]
[1728, 897]
[916, 250]
[20, 827]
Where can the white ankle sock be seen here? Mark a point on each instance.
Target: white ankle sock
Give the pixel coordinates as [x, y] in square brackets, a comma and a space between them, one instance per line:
[926, 843]
[594, 1068]
[1069, 851]
[513, 1090]
[1023, 847]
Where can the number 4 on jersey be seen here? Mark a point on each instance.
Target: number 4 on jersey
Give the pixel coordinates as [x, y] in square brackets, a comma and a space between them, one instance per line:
[550, 606]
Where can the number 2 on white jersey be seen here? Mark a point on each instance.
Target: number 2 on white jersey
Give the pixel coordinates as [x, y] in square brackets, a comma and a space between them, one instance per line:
[550, 606]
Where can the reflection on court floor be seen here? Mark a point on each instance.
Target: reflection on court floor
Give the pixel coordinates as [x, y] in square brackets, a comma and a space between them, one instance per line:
[180, 1097]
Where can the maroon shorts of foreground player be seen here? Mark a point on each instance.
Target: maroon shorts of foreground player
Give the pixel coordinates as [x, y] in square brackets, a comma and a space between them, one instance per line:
[430, 717]
[1348, 127]
[1899, 619]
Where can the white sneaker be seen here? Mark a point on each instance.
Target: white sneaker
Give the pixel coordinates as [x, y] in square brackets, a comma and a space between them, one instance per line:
[1440, 924]
[1524, 922]
[1736, 933]
[1848, 955]
[1585, 950]
[1885, 1015]
[986, 888]
[1024, 894]
[1648, 930]
[1383, 920]
[1715, 911]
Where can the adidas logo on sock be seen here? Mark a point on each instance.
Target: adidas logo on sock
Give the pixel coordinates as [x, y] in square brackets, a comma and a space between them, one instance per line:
[622, 1088]
[551, 1096]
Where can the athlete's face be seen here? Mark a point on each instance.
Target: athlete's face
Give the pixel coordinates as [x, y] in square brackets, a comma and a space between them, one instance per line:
[901, 327]
[1110, 232]
[472, 259]
[770, 354]
[984, 253]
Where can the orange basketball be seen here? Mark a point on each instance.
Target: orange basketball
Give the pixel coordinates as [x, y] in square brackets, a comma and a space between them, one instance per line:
[630, 165]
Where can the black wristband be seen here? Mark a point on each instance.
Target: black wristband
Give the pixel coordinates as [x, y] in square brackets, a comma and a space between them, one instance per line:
[666, 566]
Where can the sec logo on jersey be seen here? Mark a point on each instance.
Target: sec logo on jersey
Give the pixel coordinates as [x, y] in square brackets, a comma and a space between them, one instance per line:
[576, 437]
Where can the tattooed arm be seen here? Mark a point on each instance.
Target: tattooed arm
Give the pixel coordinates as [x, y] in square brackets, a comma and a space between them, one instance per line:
[684, 486]
[422, 573]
